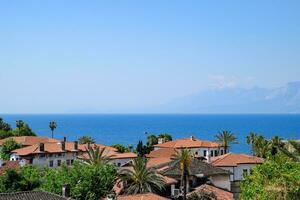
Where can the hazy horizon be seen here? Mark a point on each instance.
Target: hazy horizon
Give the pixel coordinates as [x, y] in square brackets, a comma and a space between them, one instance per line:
[149, 57]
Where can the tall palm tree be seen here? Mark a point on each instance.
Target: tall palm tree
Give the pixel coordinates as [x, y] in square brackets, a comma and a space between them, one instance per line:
[96, 156]
[184, 158]
[52, 126]
[167, 137]
[19, 124]
[141, 179]
[226, 138]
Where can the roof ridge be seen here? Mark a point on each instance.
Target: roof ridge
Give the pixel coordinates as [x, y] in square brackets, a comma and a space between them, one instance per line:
[222, 158]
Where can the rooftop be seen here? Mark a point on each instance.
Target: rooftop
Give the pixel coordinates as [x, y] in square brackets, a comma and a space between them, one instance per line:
[29, 140]
[31, 195]
[219, 193]
[161, 153]
[9, 165]
[232, 159]
[147, 196]
[188, 143]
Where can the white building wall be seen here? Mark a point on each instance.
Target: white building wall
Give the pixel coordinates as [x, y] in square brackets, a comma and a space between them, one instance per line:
[39, 160]
[221, 181]
[238, 171]
[14, 157]
[120, 162]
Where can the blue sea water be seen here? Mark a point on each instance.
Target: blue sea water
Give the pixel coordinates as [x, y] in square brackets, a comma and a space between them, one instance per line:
[128, 129]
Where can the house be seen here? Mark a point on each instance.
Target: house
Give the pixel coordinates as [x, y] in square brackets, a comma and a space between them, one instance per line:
[200, 148]
[5, 165]
[238, 164]
[218, 193]
[199, 173]
[146, 196]
[53, 154]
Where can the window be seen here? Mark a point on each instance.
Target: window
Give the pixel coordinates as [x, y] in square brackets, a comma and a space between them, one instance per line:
[50, 163]
[50, 155]
[42, 155]
[211, 153]
[68, 162]
[245, 171]
[222, 151]
[216, 152]
[196, 153]
[59, 154]
[204, 153]
[119, 164]
[72, 162]
[58, 162]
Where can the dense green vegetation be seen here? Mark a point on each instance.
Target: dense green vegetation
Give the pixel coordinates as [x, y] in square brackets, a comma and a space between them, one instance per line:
[88, 182]
[121, 148]
[22, 129]
[277, 178]
[8, 146]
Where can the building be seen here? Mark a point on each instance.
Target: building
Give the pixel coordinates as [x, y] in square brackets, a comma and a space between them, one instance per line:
[238, 164]
[5, 165]
[200, 148]
[53, 154]
[218, 193]
[29, 140]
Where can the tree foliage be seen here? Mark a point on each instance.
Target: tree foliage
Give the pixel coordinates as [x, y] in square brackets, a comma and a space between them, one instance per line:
[141, 179]
[86, 140]
[277, 178]
[96, 156]
[226, 138]
[8, 146]
[121, 148]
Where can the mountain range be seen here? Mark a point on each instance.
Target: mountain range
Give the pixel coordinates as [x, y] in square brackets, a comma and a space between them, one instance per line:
[285, 99]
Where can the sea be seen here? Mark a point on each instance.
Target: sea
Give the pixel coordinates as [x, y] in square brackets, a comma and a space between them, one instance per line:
[130, 128]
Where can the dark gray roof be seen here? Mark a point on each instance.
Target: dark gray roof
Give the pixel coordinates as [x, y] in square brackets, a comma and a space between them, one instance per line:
[31, 195]
[197, 168]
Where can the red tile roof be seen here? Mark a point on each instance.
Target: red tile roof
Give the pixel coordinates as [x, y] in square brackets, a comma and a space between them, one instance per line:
[55, 147]
[29, 140]
[188, 143]
[219, 193]
[9, 165]
[162, 153]
[147, 196]
[155, 162]
[231, 159]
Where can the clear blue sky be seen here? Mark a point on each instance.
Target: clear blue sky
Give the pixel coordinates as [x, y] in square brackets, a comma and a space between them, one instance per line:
[116, 56]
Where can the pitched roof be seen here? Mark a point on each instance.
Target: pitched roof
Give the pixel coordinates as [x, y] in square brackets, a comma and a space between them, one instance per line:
[157, 162]
[197, 168]
[232, 159]
[161, 153]
[31, 195]
[188, 143]
[9, 165]
[219, 193]
[112, 155]
[29, 140]
[147, 196]
[55, 147]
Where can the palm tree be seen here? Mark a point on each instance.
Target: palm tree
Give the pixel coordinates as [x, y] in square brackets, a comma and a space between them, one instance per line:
[167, 137]
[52, 126]
[226, 138]
[292, 150]
[96, 156]
[141, 179]
[19, 124]
[184, 158]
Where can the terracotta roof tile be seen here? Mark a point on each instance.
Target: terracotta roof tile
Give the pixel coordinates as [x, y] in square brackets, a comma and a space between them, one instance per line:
[147, 196]
[29, 140]
[55, 147]
[219, 193]
[188, 143]
[231, 159]
[161, 153]
[31, 195]
[156, 162]
[9, 165]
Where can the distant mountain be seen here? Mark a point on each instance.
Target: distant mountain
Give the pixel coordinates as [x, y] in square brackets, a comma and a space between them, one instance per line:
[284, 99]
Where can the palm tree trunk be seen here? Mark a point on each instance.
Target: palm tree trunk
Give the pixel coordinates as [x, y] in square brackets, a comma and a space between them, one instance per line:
[184, 185]
[52, 133]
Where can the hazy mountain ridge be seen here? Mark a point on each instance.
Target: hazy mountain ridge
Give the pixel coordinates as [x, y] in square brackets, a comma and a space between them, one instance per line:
[284, 99]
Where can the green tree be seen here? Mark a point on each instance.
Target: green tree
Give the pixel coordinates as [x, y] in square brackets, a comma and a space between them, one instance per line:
[121, 148]
[23, 129]
[277, 178]
[165, 136]
[86, 140]
[87, 182]
[8, 146]
[226, 138]
[52, 126]
[184, 158]
[96, 156]
[141, 149]
[4, 126]
[141, 179]
[151, 140]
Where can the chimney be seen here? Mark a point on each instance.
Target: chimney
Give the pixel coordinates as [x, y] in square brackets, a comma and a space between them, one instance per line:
[41, 147]
[192, 138]
[65, 139]
[66, 190]
[63, 146]
[75, 145]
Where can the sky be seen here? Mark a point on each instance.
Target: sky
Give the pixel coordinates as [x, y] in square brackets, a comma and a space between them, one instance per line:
[122, 56]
